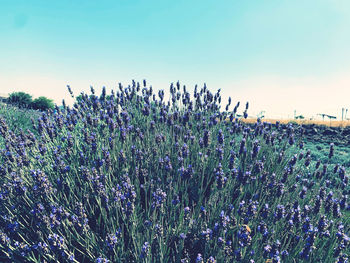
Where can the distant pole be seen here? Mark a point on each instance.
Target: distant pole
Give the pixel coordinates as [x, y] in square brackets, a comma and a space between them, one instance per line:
[342, 114]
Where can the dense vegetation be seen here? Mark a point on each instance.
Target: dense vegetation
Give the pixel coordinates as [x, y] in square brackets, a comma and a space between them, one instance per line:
[42, 103]
[18, 120]
[24, 100]
[20, 99]
[320, 152]
[131, 177]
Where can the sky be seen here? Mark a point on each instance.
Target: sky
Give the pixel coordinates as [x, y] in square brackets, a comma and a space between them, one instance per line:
[284, 57]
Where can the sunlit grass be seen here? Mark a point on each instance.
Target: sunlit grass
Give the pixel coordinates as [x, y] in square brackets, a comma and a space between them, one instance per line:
[331, 123]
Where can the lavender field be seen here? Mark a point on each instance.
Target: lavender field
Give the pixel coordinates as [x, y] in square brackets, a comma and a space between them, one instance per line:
[131, 176]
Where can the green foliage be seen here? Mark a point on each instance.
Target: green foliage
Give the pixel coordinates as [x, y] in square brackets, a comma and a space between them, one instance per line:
[24, 100]
[79, 98]
[20, 99]
[18, 119]
[320, 151]
[42, 103]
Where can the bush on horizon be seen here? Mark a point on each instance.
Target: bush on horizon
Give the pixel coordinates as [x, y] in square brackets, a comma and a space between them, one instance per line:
[42, 103]
[24, 100]
[20, 99]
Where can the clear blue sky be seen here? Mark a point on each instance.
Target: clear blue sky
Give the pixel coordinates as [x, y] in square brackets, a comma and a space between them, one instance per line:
[279, 55]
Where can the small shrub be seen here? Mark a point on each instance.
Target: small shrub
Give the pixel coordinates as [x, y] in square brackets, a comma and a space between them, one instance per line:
[42, 103]
[20, 99]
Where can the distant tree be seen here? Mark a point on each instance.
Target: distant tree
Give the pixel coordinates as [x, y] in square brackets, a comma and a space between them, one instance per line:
[20, 99]
[42, 103]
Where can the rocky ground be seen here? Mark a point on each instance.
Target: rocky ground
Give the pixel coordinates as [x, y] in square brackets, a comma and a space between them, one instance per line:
[320, 133]
[325, 134]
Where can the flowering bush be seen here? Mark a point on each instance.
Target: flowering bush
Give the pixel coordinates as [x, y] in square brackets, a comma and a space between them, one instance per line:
[131, 177]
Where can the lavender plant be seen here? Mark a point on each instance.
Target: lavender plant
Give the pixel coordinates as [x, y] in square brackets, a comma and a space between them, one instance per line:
[131, 177]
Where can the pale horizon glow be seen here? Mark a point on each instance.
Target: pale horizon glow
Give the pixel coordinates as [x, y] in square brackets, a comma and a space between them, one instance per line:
[283, 57]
